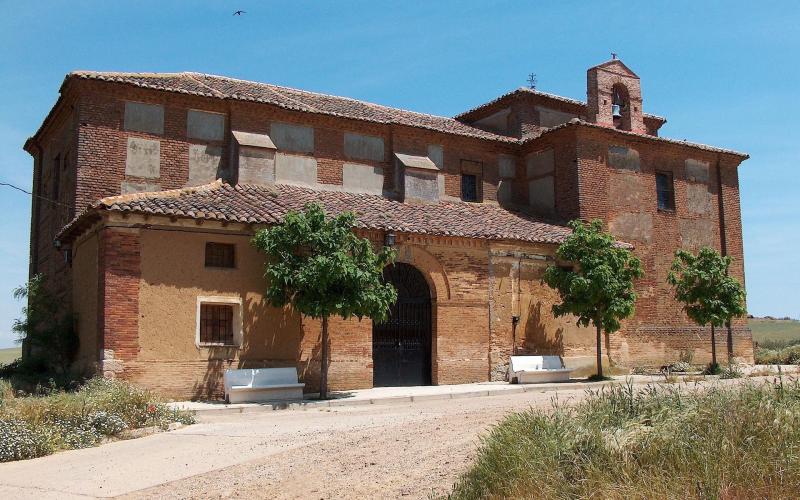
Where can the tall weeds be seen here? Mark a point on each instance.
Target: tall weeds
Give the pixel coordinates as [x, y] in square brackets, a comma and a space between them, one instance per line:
[741, 442]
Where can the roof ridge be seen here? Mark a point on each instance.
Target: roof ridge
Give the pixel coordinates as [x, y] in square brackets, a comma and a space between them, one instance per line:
[160, 74]
[278, 89]
[539, 93]
[286, 87]
[171, 193]
[212, 89]
[383, 107]
[279, 95]
[698, 145]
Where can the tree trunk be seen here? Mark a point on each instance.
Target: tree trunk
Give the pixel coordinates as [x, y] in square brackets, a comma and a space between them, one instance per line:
[323, 379]
[599, 353]
[713, 347]
[730, 342]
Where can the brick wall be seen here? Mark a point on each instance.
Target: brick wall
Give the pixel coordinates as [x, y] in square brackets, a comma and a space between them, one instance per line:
[118, 314]
[626, 201]
[103, 141]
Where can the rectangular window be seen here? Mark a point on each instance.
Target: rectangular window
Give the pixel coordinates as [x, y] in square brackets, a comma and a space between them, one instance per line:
[469, 187]
[216, 324]
[471, 180]
[665, 191]
[220, 255]
[56, 187]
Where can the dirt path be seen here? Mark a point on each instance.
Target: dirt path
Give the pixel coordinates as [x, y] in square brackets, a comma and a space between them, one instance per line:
[363, 452]
[370, 451]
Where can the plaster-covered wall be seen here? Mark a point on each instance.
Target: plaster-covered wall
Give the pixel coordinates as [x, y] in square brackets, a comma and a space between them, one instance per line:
[84, 296]
[516, 289]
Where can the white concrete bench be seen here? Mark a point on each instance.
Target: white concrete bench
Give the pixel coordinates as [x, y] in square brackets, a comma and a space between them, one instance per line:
[260, 385]
[533, 369]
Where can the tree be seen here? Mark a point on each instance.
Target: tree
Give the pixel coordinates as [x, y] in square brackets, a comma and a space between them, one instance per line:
[46, 327]
[709, 295]
[319, 266]
[598, 288]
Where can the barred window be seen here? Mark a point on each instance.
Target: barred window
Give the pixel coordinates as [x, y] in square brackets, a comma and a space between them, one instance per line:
[665, 191]
[469, 187]
[471, 180]
[220, 255]
[216, 324]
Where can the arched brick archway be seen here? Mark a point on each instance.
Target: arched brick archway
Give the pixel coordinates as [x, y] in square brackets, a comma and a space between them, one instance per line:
[621, 106]
[402, 345]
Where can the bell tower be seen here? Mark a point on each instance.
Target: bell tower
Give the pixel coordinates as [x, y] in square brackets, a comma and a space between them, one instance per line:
[614, 96]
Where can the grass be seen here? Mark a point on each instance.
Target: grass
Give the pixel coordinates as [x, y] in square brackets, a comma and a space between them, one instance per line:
[33, 426]
[779, 356]
[775, 333]
[10, 354]
[777, 341]
[722, 442]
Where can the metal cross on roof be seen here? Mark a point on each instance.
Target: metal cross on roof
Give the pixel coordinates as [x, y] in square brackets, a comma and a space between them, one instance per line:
[532, 80]
[613, 55]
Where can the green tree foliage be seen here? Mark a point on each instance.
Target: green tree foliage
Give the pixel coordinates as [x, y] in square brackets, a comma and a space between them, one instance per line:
[46, 327]
[710, 296]
[320, 267]
[598, 289]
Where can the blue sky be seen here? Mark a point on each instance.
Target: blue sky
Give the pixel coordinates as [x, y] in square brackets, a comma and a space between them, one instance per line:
[723, 73]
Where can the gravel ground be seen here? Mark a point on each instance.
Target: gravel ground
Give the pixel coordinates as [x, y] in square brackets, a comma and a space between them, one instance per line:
[403, 450]
[368, 451]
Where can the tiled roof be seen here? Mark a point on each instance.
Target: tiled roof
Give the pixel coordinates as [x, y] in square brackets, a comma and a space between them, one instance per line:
[583, 123]
[312, 102]
[547, 95]
[288, 98]
[260, 204]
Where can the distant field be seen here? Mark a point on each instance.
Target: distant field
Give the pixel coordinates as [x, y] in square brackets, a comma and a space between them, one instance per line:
[9, 355]
[775, 330]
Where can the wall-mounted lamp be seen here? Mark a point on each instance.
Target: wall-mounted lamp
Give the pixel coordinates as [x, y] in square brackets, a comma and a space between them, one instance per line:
[389, 239]
[57, 244]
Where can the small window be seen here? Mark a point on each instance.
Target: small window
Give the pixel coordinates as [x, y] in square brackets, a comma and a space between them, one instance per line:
[220, 255]
[56, 186]
[216, 324]
[665, 191]
[469, 187]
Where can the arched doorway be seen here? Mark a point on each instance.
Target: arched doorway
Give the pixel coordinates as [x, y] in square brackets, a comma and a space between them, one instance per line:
[401, 345]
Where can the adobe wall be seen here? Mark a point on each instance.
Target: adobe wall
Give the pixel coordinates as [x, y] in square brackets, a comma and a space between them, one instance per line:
[85, 301]
[151, 341]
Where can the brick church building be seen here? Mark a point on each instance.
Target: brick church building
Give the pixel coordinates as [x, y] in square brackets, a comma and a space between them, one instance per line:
[148, 188]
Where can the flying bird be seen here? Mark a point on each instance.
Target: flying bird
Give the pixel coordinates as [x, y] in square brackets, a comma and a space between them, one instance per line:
[239, 12]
